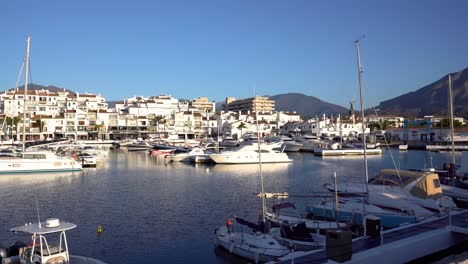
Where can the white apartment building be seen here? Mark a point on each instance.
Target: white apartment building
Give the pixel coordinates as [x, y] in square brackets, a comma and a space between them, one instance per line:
[324, 127]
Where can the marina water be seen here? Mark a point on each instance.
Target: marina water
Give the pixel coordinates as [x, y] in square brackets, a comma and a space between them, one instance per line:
[156, 212]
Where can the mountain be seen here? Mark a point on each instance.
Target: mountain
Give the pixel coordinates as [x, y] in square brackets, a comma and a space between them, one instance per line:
[305, 105]
[431, 99]
[51, 88]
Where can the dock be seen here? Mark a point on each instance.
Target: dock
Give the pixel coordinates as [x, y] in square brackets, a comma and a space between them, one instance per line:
[345, 152]
[446, 147]
[399, 245]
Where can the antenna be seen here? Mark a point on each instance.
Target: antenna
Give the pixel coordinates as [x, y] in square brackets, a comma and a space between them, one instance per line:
[37, 208]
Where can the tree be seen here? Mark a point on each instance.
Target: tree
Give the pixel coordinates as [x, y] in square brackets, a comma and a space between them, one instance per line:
[241, 126]
[163, 122]
[13, 123]
[158, 120]
[446, 123]
[98, 128]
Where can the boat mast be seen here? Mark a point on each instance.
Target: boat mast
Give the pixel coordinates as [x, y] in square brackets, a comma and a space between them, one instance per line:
[28, 41]
[451, 118]
[259, 159]
[362, 117]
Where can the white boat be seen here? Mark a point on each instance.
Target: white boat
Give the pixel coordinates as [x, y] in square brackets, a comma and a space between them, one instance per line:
[310, 143]
[416, 191]
[86, 159]
[229, 142]
[35, 161]
[258, 245]
[139, 146]
[289, 145]
[250, 154]
[180, 157]
[201, 158]
[38, 161]
[403, 147]
[48, 246]
[98, 153]
[356, 211]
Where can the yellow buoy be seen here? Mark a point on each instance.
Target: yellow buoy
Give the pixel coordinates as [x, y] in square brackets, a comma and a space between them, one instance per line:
[99, 229]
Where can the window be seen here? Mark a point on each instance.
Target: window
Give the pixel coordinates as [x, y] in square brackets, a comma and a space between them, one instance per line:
[34, 156]
[436, 183]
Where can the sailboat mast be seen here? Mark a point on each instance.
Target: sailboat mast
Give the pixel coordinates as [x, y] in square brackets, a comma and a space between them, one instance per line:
[362, 117]
[451, 118]
[259, 159]
[28, 41]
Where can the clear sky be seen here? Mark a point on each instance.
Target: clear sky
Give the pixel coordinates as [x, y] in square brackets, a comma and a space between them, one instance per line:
[220, 48]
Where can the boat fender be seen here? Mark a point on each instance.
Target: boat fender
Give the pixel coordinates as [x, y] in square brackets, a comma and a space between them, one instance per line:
[231, 248]
[3, 252]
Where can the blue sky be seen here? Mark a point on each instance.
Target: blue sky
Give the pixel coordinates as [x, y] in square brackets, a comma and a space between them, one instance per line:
[220, 48]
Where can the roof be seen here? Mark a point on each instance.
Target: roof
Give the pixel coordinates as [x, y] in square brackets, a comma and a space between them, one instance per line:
[35, 229]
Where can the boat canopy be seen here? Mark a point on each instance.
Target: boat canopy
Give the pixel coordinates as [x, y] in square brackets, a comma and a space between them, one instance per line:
[260, 227]
[420, 183]
[393, 177]
[428, 187]
[276, 207]
[35, 228]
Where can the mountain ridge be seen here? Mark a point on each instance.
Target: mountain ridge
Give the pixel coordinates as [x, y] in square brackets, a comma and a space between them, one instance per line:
[431, 99]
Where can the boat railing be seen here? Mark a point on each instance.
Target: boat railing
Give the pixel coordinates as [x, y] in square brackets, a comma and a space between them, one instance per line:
[47, 252]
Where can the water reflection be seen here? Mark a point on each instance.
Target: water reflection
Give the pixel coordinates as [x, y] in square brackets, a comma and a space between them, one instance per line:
[157, 212]
[33, 178]
[250, 169]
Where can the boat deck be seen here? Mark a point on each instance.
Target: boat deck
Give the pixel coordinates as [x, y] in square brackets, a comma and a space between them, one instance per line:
[459, 225]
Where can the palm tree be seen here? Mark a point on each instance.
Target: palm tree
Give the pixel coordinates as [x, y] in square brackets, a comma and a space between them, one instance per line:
[13, 122]
[158, 119]
[163, 122]
[98, 129]
[241, 126]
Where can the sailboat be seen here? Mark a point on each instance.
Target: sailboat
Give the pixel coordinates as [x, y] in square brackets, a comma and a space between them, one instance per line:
[452, 185]
[354, 211]
[258, 245]
[36, 161]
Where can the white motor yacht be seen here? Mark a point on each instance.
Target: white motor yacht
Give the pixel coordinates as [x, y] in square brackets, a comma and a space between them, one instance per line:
[290, 145]
[38, 161]
[250, 154]
[184, 156]
[310, 143]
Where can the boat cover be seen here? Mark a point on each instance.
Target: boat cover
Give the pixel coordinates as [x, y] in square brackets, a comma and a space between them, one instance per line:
[256, 227]
[276, 207]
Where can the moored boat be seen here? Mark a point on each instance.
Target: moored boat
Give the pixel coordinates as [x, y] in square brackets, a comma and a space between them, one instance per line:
[48, 246]
[250, 154]
[38, 161]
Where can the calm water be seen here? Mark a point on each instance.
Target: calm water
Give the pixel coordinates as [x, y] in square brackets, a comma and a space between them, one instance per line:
[152, 212]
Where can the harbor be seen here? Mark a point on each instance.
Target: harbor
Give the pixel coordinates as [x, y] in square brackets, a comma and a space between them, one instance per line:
[152, 211]
[233, 132]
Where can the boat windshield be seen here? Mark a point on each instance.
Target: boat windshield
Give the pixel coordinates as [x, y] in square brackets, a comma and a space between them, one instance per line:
[34, 156]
